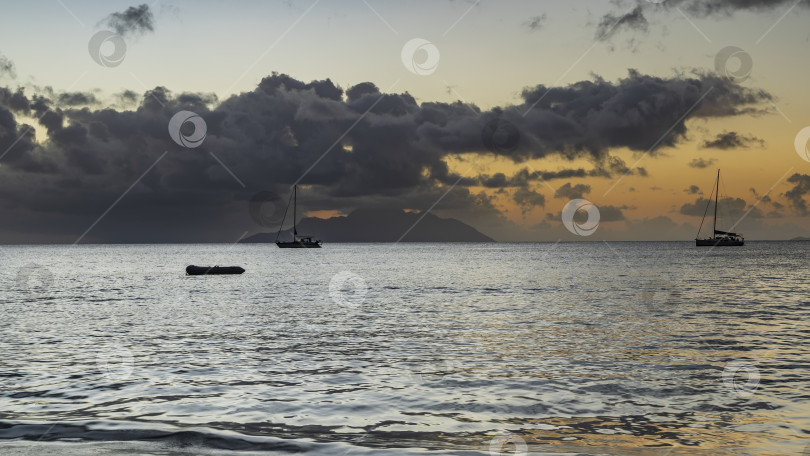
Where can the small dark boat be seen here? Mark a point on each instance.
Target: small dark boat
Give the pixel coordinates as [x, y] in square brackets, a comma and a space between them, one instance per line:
[298, 242]
[213, 270]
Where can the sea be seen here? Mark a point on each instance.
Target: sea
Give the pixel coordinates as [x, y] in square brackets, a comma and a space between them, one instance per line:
[589, 348]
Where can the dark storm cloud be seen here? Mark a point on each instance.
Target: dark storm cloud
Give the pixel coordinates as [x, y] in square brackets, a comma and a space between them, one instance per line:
[612, 24]
[801, 187]
[732, 207]
[528, 199]
[497, 180]
[731, 140]
[568, 191]
[15, 139]
[610, 214]
[76, 99]
[722, 7]
[640, 112]
[128, 97]
[134, 20]
[701, 163]
[16, 100]
[370, 148]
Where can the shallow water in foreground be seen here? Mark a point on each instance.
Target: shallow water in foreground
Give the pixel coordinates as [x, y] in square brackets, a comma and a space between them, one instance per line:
[586, 348]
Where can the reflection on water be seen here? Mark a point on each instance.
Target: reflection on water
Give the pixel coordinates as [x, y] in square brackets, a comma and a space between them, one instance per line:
[627, 348]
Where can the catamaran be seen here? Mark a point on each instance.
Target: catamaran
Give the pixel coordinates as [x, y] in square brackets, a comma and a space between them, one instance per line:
[719, 238]
[298, 242]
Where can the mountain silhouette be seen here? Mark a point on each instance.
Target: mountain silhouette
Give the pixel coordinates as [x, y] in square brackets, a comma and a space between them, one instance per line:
[380, 225]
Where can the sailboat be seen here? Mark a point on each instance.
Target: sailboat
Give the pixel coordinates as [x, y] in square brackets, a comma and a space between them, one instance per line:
[718, 238]
[298, 242]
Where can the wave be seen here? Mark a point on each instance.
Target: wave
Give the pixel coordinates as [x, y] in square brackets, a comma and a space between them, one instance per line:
[134, 438]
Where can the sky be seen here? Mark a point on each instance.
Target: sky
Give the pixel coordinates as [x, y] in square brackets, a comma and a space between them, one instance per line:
[505, 115]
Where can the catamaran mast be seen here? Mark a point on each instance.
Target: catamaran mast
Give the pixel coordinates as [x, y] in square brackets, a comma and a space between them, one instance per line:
[295, 208]
[714, 227]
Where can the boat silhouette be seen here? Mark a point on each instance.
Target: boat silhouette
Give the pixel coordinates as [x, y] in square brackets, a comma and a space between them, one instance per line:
[213, 270]
[298, 241]
[718, 238]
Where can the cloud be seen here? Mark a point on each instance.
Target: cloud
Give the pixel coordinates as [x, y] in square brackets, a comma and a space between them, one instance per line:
[733, 208]
[702, 163]
[731, 140]
[636, 20]
[763, 198]
[572, 192]
[801, 187]
[637, 112]
[133, 21]
[388, 150]
[612, 24]
[528, 199]
[693, 190]
[610, 214]
[7, 67]
[536, 23]
[725, 7]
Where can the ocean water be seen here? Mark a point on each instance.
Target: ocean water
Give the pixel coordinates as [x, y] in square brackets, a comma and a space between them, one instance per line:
[361, 349]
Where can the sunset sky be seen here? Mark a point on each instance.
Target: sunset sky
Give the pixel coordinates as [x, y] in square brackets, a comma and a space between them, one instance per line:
[631, 105]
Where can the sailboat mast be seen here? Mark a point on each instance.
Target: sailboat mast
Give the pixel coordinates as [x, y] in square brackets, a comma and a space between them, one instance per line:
[295, 208]
[716, 194]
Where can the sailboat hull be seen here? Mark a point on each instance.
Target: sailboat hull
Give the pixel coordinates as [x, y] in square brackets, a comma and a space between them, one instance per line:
[298, 245]
[719, 242]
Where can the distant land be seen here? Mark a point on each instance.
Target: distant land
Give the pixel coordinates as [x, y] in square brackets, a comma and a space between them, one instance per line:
[801, 238]
[379, 225]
